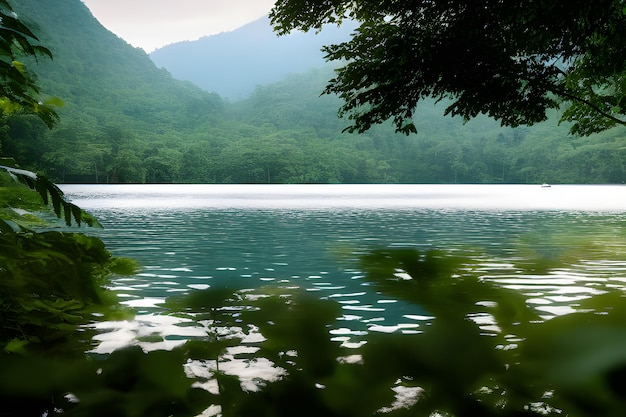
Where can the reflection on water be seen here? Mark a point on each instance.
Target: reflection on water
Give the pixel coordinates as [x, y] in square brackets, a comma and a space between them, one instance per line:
[557, 244]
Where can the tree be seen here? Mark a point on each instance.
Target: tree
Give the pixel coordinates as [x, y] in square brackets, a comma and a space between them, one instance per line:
[19, 91]
[512, 60]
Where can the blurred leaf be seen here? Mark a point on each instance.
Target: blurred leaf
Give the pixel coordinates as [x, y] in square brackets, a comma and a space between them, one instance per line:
[202, 300]
[370, 383]
[297, 323]
[209, 350]
[16, 346]
[581, 356]
[54, 101]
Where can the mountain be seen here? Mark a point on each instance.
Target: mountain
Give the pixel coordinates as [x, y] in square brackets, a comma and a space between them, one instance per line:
[101, 76]
[233, 63]
[118, 104]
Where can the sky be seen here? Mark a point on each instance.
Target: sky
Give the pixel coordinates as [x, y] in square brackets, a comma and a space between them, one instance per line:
[151, 24]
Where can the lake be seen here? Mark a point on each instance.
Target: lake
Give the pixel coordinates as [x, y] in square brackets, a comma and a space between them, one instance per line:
[189, 237]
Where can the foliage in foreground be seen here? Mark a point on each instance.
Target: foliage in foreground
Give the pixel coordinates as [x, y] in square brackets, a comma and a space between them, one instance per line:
[52, 283]
[485, 353]
[51, 197]
[19, 91]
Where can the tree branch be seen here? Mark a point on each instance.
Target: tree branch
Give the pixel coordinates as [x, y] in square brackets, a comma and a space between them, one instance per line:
[564, 93]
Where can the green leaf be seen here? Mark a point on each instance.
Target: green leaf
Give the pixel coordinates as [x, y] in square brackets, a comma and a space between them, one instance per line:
[16, 346]
[19, 66]
[54, 101]
[8, 227]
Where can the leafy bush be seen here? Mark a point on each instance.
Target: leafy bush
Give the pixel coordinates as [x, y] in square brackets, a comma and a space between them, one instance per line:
[51, 283]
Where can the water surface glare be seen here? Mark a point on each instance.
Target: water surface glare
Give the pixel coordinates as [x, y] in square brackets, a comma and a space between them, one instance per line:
[191, 237]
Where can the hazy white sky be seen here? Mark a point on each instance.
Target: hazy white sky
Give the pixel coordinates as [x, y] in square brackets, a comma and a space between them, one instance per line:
[150, 24]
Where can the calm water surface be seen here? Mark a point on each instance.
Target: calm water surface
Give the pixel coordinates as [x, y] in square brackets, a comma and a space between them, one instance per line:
[189, 237]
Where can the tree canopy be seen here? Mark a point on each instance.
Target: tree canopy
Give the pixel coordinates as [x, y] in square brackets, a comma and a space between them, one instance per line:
[512, 60]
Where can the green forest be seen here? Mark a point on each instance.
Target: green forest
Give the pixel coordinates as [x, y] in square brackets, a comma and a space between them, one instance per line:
[126, 121]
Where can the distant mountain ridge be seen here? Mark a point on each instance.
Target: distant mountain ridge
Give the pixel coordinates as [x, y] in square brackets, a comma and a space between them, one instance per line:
[233, 64]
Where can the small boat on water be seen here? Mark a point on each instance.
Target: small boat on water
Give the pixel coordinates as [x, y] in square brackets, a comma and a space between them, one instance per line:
[545, 185]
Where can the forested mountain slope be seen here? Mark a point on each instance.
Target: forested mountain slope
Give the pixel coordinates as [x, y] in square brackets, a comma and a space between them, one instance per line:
[233, 63]
[125, 120]
[118, 105]
[445, 150]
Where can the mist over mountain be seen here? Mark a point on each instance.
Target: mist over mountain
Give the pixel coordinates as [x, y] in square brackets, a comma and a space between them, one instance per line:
[234, 63]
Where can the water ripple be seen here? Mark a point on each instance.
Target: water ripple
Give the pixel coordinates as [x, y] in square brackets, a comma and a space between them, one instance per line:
[555, 257]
